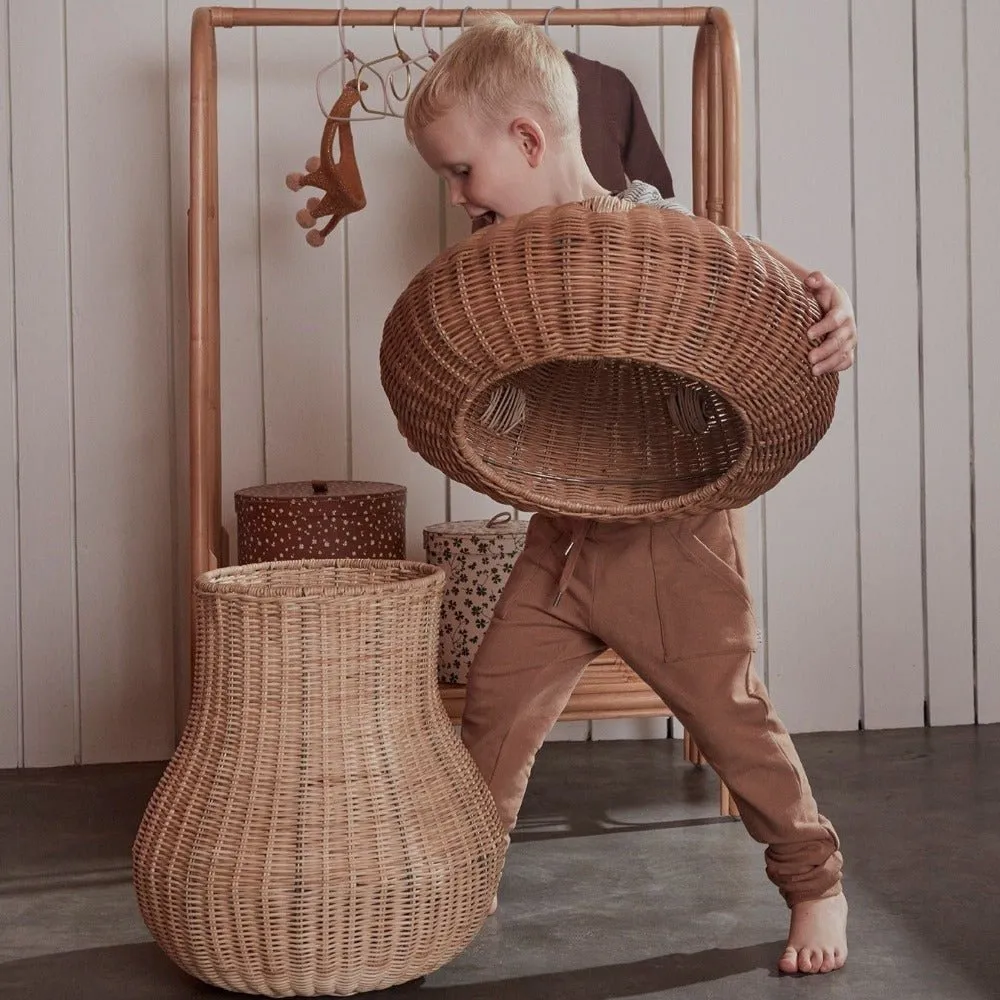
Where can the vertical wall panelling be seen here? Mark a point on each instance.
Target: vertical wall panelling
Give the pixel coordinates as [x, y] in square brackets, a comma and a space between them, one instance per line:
[945, 346]
[118, 180]
[240, 236]
[892, 630]
[10, 694]
[403, 213]
[463, 503]
[805, 150]
[879, 589]
[45, 385]
[677, 54]
[178, 14]
[983, 78]
[744, 18]
[305, 366]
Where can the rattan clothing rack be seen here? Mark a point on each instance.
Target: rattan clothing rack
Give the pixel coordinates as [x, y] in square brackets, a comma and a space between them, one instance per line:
[715, 153]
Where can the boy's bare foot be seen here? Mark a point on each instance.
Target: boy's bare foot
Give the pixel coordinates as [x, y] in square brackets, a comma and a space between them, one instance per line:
[493, 906]
[817, 937]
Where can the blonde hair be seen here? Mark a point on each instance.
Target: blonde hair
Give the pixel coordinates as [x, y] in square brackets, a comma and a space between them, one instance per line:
[496, 68]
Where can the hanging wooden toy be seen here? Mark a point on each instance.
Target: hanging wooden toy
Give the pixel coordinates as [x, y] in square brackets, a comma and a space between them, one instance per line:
[340, 180]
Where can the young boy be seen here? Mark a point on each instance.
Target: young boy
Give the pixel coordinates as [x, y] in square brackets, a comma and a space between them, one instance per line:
[497, 119]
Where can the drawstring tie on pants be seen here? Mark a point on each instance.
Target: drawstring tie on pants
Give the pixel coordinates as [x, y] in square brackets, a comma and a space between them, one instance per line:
[572, 554]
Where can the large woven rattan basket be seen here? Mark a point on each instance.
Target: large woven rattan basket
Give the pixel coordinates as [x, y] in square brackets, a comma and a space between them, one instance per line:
[607, 361]
[320, 829]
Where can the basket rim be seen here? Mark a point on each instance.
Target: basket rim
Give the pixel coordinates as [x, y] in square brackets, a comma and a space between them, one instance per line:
[533, 499]
[238, 581]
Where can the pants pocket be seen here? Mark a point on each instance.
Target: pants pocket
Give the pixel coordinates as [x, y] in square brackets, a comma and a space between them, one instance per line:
[710, 543]
[704, 603]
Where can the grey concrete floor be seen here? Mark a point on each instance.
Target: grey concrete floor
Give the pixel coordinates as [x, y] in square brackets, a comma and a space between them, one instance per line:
[622, 881]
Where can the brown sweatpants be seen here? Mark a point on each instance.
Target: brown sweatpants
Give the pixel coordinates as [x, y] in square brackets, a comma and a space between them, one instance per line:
[670, 597]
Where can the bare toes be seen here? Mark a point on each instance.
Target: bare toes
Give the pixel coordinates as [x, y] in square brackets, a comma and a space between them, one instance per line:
[789, 961]
[829, 962]
[807, 960]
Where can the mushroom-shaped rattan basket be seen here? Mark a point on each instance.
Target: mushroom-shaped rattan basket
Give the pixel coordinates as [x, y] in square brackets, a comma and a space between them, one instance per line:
[608, 361]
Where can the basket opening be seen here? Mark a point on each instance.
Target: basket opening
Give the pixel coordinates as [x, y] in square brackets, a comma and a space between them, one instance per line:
[641, 433]
[319, 578]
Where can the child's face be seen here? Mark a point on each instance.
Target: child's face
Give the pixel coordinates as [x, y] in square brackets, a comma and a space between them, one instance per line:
[489, 170]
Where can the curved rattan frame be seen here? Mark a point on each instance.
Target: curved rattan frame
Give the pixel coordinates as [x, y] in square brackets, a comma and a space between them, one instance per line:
[715, 162]
[652, 363]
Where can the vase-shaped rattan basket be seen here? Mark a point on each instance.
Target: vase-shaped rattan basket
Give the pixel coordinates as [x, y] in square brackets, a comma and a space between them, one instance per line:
[320, 829]
[608, 361]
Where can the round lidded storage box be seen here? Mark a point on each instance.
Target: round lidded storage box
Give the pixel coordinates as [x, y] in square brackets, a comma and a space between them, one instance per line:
[477, 557]
[321, 519]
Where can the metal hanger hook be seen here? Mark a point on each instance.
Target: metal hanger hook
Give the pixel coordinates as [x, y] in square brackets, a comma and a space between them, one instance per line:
[395, 37]
[404, 59]
[423, 31]
[545, 20]
[343, 41]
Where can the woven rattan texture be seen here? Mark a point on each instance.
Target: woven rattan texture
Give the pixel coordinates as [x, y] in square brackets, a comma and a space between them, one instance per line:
[609, 364]
[320, 828]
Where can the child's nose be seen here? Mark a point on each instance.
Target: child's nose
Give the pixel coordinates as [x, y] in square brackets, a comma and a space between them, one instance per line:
[457, 197]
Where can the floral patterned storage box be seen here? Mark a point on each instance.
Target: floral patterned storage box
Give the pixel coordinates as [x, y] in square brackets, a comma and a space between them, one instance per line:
[478, 556]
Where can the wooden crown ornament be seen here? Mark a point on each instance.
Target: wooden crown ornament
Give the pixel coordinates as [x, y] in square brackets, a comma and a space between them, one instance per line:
[340, 179]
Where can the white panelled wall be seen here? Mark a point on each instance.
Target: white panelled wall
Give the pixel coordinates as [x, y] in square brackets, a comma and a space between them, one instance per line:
[871, 150]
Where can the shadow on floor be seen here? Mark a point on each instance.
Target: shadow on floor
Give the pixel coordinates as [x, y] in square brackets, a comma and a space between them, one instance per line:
[138, 971]
[593, 824]
[918, 812]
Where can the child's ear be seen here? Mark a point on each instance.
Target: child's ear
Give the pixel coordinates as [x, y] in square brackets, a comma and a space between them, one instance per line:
[530, 139]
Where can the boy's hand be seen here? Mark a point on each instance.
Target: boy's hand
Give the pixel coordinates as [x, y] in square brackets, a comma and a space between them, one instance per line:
[835, 334]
